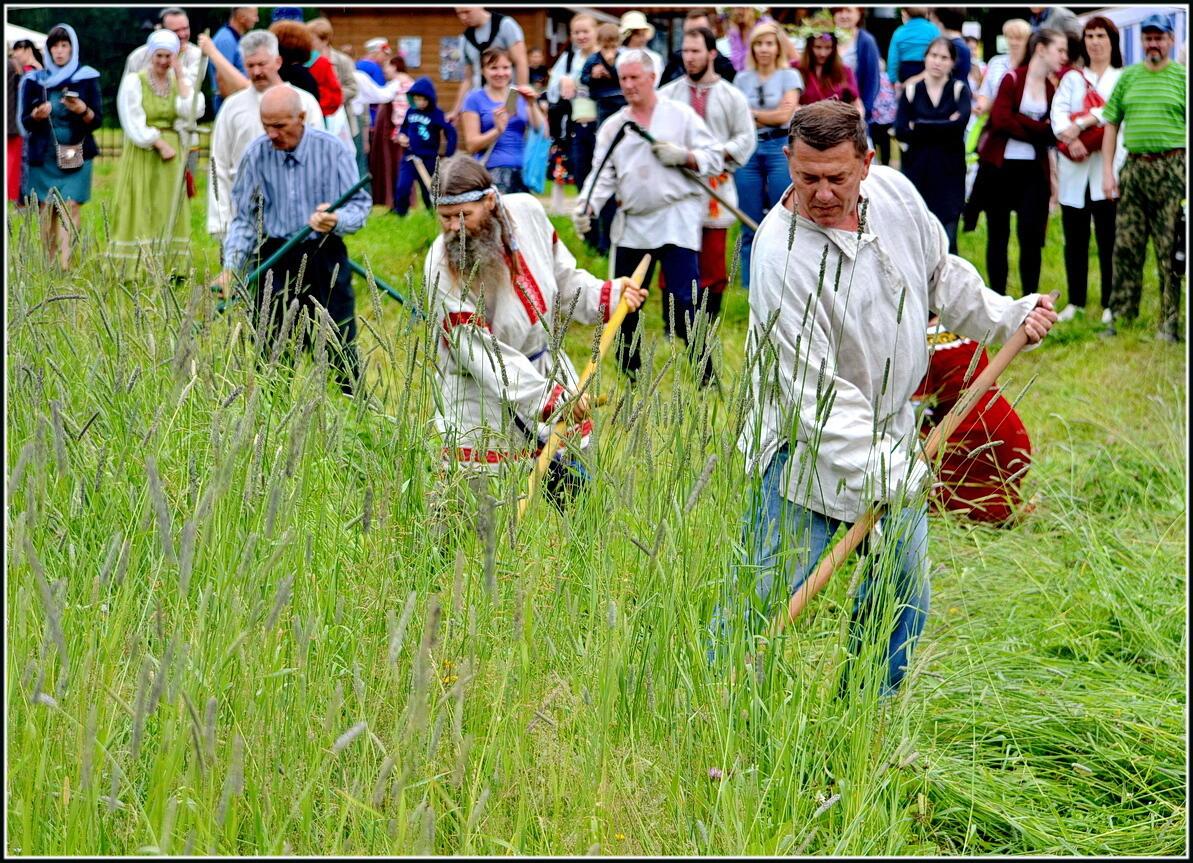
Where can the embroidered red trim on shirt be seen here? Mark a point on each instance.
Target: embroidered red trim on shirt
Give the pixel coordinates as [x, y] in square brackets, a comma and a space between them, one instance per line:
[551, 402]
[496, 456]
[606, 291]
[527, 289]
[458, 319]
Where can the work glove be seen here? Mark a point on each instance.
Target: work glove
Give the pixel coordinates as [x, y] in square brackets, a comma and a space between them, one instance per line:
[582, 219]
[669, 154]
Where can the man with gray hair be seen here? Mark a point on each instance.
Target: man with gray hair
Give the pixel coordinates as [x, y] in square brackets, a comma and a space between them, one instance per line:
[287, 180]
[239, 124]
[660, 210]
[846, 271]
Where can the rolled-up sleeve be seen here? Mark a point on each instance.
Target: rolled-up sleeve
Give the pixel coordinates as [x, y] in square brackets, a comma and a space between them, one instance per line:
[242, 232]
[353, 213]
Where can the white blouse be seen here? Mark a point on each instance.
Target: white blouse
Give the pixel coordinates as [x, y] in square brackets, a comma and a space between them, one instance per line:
[1075, 177]
[131, 111]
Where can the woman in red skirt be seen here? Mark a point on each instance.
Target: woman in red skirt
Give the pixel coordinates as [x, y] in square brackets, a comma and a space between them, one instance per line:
[987, 456]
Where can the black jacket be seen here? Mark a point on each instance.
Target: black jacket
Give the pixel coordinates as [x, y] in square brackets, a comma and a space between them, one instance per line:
[40, 144]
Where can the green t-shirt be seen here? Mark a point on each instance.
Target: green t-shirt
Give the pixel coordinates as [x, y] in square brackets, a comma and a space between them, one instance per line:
[1151, 105]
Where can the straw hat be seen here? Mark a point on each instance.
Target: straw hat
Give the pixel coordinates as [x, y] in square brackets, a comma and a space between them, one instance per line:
[635, 21]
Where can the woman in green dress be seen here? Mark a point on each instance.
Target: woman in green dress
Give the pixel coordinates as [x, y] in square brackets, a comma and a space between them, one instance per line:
[152, 104]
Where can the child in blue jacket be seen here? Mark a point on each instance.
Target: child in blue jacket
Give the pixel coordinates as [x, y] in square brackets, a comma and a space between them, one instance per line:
[426, 135]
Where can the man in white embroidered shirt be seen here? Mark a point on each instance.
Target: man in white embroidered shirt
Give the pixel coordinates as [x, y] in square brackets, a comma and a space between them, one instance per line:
[502, 286]
[843, 277]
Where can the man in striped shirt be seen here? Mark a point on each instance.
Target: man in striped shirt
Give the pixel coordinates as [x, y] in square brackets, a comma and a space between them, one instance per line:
[287, 179]
[1149, 99]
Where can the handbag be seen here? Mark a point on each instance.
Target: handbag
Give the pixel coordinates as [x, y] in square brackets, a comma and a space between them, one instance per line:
[535, 155]
[69, 156]
[1090, 138]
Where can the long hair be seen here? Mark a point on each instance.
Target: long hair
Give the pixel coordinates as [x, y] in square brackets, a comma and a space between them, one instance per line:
[28, 43]
[1043, 36]
[462, 173]
[1100, 21]
[833, 70]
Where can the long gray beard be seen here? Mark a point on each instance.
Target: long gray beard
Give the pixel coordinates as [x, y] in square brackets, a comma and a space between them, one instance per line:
[477, 263]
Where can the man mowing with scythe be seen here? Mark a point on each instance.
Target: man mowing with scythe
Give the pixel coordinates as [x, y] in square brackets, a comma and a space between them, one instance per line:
[500, 282]
[844, 276]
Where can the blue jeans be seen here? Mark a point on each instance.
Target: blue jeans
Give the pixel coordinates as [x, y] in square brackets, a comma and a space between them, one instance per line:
[760, 184]
[508, 180]
[778, 533]
[583, 143]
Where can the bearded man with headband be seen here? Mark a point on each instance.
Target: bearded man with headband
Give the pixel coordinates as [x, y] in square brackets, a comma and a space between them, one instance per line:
[501, 285]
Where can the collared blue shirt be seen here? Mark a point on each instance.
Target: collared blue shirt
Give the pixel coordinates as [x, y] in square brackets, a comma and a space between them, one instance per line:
[288, 186]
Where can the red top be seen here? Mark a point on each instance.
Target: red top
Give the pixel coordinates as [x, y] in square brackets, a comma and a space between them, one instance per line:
[331, 95]
[818, 89]
[984, 459]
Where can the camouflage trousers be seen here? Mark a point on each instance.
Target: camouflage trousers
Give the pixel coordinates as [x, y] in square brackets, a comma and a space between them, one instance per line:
[1151, 195]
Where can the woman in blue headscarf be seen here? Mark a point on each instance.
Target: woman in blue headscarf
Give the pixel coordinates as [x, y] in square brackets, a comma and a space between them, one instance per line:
[60, 108]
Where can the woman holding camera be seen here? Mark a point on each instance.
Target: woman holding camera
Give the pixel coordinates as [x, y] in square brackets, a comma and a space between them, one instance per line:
[60, 109]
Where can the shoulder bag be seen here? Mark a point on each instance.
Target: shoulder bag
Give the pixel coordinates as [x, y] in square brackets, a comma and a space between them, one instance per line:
[1090, 138]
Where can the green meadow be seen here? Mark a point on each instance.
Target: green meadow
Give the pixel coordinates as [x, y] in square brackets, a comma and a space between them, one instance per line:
[247, 615]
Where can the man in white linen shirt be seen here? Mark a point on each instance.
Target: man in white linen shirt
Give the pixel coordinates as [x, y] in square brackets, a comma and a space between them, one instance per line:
[845, 274]
[238, 124]
[725, 109]
[660, 211]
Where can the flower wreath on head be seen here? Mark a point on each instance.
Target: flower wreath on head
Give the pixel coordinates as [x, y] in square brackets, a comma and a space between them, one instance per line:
[820, 24]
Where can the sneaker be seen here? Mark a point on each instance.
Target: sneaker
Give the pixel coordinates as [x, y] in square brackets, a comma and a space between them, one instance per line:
[1107, 316]
[1069, 312]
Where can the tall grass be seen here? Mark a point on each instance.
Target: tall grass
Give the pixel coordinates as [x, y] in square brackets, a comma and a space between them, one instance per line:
[249, 616]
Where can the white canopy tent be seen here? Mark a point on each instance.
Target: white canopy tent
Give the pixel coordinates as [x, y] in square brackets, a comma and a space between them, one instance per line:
[1128, 19]
[15, 32]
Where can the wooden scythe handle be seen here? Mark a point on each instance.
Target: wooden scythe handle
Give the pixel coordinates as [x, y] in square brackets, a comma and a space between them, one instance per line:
[560, 429]
[854, 536]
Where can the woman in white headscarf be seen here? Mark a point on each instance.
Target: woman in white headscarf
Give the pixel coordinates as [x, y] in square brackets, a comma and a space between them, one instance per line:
[150, 175]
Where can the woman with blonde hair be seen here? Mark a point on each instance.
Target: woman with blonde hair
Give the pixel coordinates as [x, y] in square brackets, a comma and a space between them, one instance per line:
[1016, 31]
[772, 89]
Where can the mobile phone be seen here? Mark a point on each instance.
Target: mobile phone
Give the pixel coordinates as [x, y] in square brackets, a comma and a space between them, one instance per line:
[69, 94]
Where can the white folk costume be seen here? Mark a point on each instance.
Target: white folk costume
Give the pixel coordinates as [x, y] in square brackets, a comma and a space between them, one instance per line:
[657, 205]
[727, 115]
[237, 125]
[860, 338]
[490, 365]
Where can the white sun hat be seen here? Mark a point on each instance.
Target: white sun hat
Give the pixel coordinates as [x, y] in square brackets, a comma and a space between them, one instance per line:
[635, 20]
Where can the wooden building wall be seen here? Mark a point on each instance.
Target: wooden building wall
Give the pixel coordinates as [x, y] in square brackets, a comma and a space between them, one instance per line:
[356, 25]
